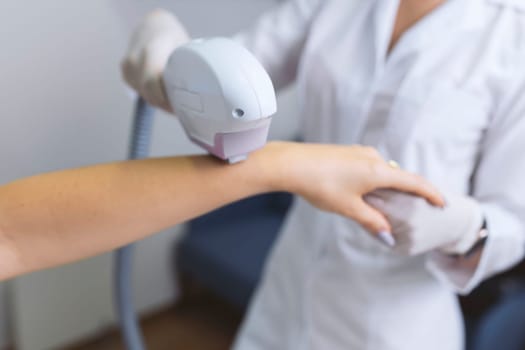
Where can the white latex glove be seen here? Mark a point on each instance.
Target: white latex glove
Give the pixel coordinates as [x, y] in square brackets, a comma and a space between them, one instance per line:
[150, 46]
[419, 227]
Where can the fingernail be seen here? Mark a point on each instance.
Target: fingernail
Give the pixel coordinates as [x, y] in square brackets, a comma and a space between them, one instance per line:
[387, 238]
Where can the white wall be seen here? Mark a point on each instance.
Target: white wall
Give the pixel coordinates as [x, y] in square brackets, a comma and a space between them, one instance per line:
[62, 105]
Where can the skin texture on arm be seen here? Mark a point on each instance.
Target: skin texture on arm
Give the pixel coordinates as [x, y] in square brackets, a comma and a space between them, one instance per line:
[55, 218]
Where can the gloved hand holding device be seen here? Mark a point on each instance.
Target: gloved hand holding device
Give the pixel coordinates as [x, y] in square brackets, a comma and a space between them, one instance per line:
[419, 227]
[152, 43]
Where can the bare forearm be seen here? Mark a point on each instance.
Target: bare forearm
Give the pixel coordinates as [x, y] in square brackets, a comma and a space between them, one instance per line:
[63, 216]
[59, 217]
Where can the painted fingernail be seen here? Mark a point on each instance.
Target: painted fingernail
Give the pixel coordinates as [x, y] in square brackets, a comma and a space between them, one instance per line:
[387, 238]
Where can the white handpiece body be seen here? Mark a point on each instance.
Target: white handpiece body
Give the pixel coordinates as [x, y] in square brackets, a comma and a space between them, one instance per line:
[222, 95]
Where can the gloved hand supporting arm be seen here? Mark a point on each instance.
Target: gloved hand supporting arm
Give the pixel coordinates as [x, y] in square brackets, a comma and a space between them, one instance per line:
[419, 227]
[498, 195]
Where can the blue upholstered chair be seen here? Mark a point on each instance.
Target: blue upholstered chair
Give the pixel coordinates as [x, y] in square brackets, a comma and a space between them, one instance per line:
[225, 250]
[503, 325]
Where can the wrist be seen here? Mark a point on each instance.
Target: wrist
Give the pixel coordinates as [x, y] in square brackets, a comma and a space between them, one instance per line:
[273, 166]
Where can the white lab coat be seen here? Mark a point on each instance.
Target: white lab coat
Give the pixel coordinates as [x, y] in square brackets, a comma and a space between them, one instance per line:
[448, 103]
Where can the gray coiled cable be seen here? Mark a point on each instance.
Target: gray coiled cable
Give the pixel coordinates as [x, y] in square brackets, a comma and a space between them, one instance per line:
[123, 288]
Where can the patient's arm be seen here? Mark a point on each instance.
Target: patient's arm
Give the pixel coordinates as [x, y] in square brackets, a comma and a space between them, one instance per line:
[59, 217]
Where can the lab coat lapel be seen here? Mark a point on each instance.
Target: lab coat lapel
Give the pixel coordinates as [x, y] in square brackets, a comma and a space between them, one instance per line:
[433, 29]
[384, 16]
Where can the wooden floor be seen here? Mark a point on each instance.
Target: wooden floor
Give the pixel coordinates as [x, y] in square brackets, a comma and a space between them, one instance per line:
[201, 322]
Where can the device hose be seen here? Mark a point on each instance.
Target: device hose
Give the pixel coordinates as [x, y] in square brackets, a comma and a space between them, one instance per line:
[139, 148]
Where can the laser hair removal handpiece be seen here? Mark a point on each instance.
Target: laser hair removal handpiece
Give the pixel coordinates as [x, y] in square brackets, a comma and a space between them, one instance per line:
[224, 99]
[222, 95]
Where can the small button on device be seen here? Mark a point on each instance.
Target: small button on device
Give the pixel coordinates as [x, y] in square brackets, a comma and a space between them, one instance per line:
[238, 113]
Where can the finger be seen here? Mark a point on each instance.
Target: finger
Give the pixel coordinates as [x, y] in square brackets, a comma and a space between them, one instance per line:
[414, 184]
[152, 87]
[153, 92]
[368, 217]
[126, 68]
[381, 204]
[166, 105]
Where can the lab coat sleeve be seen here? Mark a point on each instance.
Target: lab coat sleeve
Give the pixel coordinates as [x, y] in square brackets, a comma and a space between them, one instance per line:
[499, 187]
[278, 37]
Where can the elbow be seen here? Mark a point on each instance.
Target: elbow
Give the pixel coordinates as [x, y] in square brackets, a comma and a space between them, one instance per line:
[10, 261]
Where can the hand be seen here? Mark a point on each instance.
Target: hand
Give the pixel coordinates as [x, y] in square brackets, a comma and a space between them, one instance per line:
[335, 178]
[150, 47]
[418, 227]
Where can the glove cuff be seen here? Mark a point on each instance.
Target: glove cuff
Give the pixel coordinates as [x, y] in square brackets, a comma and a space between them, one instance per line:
[469, 233]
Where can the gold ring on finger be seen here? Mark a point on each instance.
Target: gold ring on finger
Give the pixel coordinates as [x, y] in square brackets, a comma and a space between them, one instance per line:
[393, 164]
